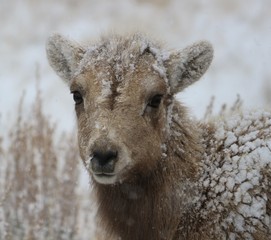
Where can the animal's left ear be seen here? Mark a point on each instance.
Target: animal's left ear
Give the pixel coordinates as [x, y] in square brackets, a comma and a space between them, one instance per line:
[187, 66]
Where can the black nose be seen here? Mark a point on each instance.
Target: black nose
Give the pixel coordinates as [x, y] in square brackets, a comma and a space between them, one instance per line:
[104, 161]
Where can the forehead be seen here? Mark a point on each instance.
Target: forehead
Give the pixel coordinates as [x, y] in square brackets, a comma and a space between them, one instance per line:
[119, 62]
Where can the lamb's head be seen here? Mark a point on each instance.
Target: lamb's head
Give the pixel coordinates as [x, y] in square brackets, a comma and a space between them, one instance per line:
[123, 90]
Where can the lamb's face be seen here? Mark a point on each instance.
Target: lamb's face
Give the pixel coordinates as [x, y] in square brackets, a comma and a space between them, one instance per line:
[121, 121]
[122, 89]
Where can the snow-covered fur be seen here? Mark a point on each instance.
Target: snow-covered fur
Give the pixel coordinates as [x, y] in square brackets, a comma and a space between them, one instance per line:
[236, 175]
[157, 173]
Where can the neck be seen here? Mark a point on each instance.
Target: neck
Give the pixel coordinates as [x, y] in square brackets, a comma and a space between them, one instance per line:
[139, 210]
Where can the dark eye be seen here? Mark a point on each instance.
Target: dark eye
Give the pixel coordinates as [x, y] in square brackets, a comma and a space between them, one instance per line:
[77, 97]
[155, 101]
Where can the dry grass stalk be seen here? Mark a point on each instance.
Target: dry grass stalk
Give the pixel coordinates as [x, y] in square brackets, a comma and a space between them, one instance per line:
[38, 181]
[224, 109]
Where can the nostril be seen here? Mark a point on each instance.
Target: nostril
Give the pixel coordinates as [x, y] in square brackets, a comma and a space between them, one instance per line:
[104, 157]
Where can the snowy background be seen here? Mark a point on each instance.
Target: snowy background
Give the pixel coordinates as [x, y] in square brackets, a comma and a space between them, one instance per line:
[240, 31]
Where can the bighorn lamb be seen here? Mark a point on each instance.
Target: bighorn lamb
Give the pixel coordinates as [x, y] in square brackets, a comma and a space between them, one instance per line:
[157, 173]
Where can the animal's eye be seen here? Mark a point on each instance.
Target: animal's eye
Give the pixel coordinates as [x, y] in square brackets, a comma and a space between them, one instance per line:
[77, 97]
[155, 101]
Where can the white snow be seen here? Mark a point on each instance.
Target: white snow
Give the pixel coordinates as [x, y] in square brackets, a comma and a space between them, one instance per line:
[106, 88]
[243, 166]
[231, 138]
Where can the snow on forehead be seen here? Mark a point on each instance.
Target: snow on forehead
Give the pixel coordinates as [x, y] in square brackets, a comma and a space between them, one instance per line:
[121, 51]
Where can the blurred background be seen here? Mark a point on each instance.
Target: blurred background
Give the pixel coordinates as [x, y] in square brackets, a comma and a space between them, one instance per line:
[240, 31]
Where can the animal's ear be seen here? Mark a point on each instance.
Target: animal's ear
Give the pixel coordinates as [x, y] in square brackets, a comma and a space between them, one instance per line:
[187, 66]
[63, 56]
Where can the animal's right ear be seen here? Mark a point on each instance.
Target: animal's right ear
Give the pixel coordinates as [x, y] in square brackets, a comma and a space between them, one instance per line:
[63, 56]
[187, 66]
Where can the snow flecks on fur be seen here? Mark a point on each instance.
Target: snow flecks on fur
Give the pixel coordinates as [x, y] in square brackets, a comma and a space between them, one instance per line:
[237, 174]
[169, 117]
[106, 87]
[164, 150]
[118, 55]
[158, 66]
[122, 53]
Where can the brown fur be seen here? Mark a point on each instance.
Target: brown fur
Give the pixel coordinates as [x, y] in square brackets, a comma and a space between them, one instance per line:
[157, 190]
[139, 209]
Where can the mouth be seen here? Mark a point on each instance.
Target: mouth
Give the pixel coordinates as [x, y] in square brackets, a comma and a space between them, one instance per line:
[105, 178]
[106, 175]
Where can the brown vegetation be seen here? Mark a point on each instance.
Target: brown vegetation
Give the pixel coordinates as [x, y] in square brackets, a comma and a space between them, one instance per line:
[39, 197]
